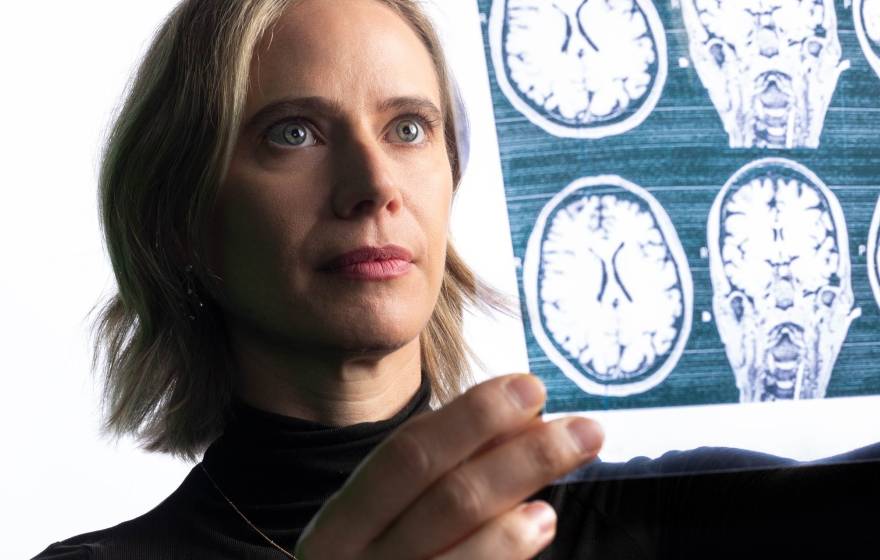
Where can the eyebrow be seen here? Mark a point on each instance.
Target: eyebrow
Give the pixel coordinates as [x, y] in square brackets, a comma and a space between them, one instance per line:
[329, 108]
[414, 104]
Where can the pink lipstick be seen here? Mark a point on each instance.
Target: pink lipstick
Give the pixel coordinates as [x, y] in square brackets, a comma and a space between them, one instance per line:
[372, 263]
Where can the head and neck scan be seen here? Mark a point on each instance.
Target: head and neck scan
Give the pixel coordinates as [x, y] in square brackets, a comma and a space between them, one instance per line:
[769, 66]
[579, 68]
[780, 269]
[866, 16]
[607, 286]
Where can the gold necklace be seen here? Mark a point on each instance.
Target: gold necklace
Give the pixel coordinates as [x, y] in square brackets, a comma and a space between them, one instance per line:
[243, 516]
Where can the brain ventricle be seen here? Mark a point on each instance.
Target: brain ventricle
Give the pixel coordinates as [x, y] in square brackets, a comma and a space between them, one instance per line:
[609, 286]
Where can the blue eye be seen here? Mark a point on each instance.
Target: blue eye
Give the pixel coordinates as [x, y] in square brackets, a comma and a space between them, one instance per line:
[409, 131]
[291, 133]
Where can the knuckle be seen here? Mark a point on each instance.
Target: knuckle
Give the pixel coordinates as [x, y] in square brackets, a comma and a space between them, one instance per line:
[544, 454]
[409, 454]
[483, 407]
[461, 496]
[512, 536]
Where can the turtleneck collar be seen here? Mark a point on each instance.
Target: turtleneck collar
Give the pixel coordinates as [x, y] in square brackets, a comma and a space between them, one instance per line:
[279, 470]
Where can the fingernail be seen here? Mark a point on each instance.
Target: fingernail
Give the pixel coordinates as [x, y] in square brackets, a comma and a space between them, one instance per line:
[542, 515]
[587, 435]
[526, 390]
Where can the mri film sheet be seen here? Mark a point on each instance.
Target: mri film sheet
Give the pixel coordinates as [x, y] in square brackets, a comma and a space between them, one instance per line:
[692, 189]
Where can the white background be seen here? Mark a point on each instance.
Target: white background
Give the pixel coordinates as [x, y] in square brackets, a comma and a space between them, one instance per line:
[65, 65]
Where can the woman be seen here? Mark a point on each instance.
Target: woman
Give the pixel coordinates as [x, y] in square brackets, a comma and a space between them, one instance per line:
[275, 198]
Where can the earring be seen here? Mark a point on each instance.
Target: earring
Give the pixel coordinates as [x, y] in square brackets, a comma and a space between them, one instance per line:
[192, 296]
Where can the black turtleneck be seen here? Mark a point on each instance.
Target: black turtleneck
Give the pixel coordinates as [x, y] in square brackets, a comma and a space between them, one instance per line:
[279, 471]
[276, 469]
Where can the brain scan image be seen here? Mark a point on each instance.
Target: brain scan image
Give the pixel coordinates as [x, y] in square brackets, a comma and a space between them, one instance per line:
[866, 15]
[873, 255]
[607, 286]
[780, 269]
[769, 66]
[579, 68]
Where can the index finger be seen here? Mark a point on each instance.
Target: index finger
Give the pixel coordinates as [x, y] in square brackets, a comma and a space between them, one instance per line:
[420, 452]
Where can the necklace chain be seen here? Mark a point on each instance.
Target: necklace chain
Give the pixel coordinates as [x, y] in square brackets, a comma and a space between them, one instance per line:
[243, 516]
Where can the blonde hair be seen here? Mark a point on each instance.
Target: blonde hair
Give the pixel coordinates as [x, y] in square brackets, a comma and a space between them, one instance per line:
[167, 370]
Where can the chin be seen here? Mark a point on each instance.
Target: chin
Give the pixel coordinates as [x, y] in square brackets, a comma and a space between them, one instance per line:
[355, 345]
[359, 318]
[372, 348]
[386, 323]
[374, 337]
[363, 331]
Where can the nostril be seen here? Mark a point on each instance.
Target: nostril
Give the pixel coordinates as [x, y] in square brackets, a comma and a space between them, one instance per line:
[363, 207]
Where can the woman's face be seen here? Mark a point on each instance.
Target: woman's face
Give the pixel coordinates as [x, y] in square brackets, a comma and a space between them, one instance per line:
[330, 232]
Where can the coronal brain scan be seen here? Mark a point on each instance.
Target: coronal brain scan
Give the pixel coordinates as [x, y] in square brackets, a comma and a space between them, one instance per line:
[780, 270]
[608, 288]
[579, 68]
[866, 16]
[770, 66]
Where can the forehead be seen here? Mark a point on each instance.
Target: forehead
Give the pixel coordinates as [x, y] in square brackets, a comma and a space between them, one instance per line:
[354, 52]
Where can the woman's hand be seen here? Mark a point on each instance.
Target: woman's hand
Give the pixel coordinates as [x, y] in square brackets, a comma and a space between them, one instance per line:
[449, 484]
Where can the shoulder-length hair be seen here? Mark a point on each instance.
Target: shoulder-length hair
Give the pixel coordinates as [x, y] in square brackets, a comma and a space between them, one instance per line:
[160, 340]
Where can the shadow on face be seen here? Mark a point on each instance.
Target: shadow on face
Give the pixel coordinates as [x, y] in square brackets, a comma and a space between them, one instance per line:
[330, 229]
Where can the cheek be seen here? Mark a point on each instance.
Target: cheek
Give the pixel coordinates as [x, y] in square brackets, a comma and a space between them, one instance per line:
[439, 236]
[258, 232]
[433, 214]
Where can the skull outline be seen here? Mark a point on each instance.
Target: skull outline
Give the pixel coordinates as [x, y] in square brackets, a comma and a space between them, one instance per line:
[532, 269]
[859, 19]
[497, 23]
[784, 344]
[872, 253]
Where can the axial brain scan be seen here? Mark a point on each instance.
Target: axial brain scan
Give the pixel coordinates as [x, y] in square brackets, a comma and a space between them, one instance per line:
[780, 270]
[866, 15]
[579, 68]
[608, 288]
[770, 66]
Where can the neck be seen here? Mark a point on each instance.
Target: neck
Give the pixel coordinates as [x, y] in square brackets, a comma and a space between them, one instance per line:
[324, 387]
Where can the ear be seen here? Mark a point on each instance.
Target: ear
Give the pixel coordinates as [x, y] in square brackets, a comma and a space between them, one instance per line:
[734, 314]
[717, 52]
[737, 303]
[835, 305]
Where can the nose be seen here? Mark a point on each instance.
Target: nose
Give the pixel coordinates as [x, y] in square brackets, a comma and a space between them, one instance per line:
[366, 182]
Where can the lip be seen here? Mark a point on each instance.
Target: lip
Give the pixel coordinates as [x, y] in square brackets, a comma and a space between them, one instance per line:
[371, 263]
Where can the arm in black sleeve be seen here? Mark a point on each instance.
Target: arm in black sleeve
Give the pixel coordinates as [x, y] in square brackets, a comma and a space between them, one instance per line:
[747, 504]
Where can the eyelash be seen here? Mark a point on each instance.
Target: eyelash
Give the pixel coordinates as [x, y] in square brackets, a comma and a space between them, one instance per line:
[428, 123]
